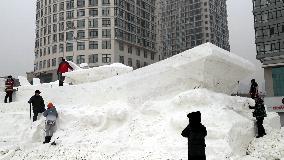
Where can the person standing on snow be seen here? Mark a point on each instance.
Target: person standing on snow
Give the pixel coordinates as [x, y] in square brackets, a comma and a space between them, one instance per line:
[37, 103]
[9, 84]
[253, 89]
[259, 113]
[62, 68]
[196, 133]
[51, 116]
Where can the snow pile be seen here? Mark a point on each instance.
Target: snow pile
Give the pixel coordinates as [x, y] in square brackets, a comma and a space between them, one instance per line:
[96, 73]
[139, 115]
[23, 81]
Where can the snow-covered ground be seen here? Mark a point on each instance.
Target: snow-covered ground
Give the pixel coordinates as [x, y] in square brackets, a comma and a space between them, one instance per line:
[140, 114]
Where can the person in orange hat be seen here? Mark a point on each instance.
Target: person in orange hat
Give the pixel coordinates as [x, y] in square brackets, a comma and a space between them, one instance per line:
[51, 116]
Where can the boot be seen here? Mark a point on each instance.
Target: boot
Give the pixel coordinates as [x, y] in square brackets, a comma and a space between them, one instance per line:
[47, 139]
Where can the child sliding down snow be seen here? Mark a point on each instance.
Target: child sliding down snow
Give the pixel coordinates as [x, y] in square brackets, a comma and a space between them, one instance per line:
[51, 116]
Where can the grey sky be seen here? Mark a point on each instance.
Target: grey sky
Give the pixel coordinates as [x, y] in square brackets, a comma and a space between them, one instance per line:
[17, 33]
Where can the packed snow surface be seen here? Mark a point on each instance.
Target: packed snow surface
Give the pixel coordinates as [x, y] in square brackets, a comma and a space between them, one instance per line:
[79, 76]
[140, 114]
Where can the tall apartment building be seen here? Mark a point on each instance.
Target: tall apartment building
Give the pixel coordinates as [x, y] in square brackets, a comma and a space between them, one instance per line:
[184, 24]
[96, 32]
[269, 40]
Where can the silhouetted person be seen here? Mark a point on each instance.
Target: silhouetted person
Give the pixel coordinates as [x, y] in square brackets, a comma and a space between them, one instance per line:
[9, 84]
[253, 89]
[259, 113]
[283, 101]
[195, 132]
[62, 68]
[37, 103]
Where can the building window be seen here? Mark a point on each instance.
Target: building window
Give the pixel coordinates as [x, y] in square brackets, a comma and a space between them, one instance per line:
[121, 46]
[93, 45]
[81, 24]
[137, 64]
[80, 46]
[106, 44]
[69, 14]
[69, 35]
[81, 13]
[80, 3]
[130, 62]
[69, 47]
[61, 48]
[93, 12]
[69, 58]
[106, 22]
[54, 49]
[93, 33]
[44, 64]
[80, 34]
[69, 4]
[106, 33]
[93, 2]
[93, 58]
[69, 25]
[80, 59]
[105, 11]
[40, 65]
[106, 58]
[278, 78]
[130, 49]
[53, 62]
[93, 23]
[145, 54]
[152, 56]
[105, 2]
[145, 64]
[138, 52]
[48, 63]
[121, 59]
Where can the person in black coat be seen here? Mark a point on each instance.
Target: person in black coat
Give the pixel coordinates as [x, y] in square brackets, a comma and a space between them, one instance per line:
[253, 89]
[259, 113]
[196, 133]
[37, 103]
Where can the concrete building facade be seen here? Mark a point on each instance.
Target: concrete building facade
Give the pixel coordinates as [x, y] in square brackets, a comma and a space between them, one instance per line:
[96, 32]
[269, 40]
[184, 24]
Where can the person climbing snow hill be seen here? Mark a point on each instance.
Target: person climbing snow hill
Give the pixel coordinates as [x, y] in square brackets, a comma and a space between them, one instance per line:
[51, 116]
[63, 68]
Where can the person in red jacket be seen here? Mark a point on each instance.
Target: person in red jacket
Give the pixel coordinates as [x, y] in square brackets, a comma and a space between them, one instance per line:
[9, 84]
[62, 68]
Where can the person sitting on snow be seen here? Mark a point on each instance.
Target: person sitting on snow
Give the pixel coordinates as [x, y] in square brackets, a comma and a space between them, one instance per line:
[37, 103]
[259, 113]
[196, 133]
[51, 116]
[62, 68]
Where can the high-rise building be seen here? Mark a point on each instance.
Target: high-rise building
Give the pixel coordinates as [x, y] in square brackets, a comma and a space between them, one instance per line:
[96, 32]
[269, 40]
[184, 24]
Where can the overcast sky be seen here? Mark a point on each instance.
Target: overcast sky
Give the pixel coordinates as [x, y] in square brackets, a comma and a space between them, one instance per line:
[17, 35]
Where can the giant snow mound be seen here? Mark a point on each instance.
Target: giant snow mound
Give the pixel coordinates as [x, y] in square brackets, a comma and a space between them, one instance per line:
[139, 115]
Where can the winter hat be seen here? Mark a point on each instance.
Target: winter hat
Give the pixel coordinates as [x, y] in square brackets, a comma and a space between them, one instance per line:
[10, 76]
[50, 105]
[37, 91]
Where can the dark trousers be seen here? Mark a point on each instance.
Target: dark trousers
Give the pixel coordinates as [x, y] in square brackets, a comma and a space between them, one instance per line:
[8, 95]
[197, 158]
[61, 79]
[35, 116]
[260, 128]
